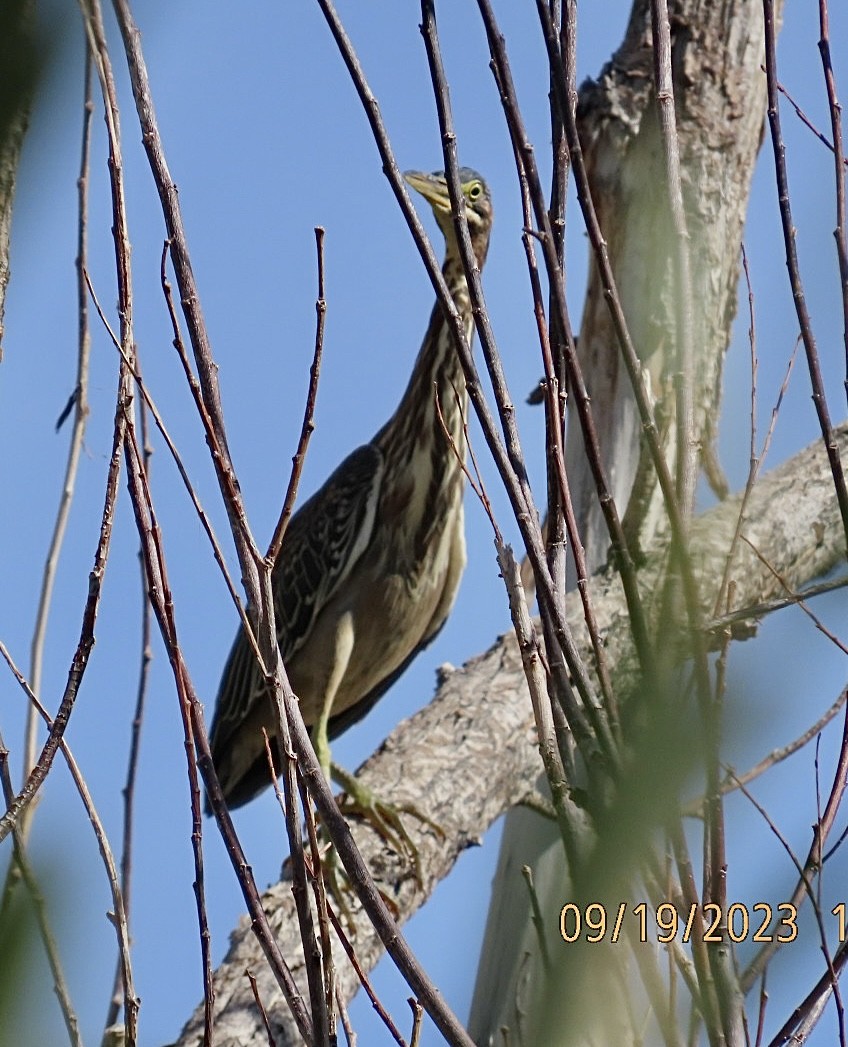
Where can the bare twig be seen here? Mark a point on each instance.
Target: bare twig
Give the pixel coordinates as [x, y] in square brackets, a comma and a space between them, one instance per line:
[146, 656]
[364, 981]
[322, 1018]
[777, 756]
[538, 920]
[560, 503]
[131, 1000]
[551, 602]
[79, 404]
[80, 409]
[815, 856]
[798, 1025]
[755, 461]
[802, 116]
[81, 656]
[555, 536]
[261, 1007]
[350, 1035]
[257, 580]
[319, 889]
[417, 1019]
[778, 603]
[761, 1015]
[806, 874]
[567, 815]
[814, 618]
[840, 233]
[309, 411]
[150, 535]
[523, 148]
[128, 792]
[565, 95]
[175, 454]
[798, 295]
[527, 523]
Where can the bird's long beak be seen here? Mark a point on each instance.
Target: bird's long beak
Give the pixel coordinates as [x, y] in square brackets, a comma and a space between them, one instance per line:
[432, 187]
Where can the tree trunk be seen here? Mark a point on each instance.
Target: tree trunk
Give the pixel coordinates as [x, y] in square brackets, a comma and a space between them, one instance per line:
[719, 87]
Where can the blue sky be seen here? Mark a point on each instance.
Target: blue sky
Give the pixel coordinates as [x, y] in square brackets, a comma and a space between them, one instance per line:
[266, 139]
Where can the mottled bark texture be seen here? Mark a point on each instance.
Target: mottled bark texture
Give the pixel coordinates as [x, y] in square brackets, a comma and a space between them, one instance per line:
[471, 753]
[717, 51]
[719, 87]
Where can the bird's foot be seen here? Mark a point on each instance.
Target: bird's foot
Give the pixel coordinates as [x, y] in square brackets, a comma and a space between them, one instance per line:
[385, 818]
[338, 886]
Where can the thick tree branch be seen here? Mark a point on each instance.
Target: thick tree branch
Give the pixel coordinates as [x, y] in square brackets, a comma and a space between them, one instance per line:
[471, 754]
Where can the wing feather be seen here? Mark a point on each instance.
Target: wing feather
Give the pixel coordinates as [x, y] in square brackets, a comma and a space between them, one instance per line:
[324, 540]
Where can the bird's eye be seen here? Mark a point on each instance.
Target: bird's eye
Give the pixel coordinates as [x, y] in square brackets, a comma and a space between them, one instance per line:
[475, 191]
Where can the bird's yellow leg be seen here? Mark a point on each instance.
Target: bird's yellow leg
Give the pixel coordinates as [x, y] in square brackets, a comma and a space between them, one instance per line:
[359, 799]
[385, 818]
[335, 877]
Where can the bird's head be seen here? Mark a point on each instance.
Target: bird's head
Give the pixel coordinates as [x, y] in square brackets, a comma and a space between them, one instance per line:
[478, 206]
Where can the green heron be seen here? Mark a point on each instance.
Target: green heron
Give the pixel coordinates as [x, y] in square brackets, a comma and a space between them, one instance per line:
[370, 564]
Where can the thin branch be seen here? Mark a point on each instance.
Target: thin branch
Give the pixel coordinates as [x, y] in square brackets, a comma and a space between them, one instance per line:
[568, 815]
[802, 116]
[322, 1018]
[555, 537]
[364, 980]
[755, 461]
[814, 618]
[151, 537]
[257, 580]
[309, 411]
[128, 792]
[815, 856]
[319, 890]
[528, 524]
[261, 1007]
[521, 144]
[777, 756]
[559, 489]
[805, 874]
[798, 295]
[840, 234]
[80, 409]
[81, 656]
[565, 94]
[778, 603]
[118, 917]
[417, 1019]
[79, 404]
[350, 1035]
[181, 469]
[550, 602]
[811, 1006]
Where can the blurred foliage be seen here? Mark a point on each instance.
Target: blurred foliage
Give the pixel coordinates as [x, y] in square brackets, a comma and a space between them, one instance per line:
[18, 933]
[21, 61]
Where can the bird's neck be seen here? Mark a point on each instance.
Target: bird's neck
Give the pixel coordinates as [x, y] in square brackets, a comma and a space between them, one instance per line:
[437, 384]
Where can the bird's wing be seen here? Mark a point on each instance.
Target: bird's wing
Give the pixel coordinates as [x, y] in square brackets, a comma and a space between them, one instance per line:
[323, 542]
